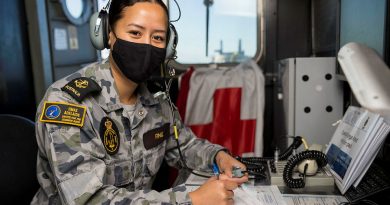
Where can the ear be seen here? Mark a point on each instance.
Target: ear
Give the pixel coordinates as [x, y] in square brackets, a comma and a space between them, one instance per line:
[111, 39]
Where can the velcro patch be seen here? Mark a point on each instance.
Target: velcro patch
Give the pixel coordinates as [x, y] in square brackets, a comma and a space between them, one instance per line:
[156, 136]
[63, 113]
[80, 88]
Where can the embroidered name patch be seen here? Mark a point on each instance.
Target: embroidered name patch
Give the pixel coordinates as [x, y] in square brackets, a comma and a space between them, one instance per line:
[63, 113]
[156, 136]
[109, 135]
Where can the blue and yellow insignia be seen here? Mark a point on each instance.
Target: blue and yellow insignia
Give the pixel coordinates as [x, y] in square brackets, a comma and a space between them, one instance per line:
[63, 113]
[109, 135]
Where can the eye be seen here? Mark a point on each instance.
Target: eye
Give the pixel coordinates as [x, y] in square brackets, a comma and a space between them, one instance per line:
[135, 33]
[158, 38]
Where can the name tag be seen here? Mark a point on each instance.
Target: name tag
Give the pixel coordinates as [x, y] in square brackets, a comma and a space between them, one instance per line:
[156, 136]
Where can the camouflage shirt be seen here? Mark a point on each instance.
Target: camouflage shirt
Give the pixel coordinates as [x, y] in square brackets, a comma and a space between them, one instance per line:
[91, 153]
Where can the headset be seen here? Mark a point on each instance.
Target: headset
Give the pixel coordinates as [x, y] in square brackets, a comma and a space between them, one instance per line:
[99, 29]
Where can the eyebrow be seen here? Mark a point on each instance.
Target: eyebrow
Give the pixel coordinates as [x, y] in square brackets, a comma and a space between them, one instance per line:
[141, 27]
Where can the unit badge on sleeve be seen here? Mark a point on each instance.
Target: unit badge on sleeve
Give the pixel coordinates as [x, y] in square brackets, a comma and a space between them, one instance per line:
[109, 135]
[63, 113]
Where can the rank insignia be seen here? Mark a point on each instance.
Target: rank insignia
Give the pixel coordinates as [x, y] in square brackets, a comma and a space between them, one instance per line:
[109, 135]
[63, 113]
[80, 88]
[156, 136]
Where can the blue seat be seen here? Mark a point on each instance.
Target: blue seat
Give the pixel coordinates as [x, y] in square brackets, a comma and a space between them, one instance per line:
[18, 156]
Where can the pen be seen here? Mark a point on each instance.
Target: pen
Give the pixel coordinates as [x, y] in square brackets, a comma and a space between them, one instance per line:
[216, 170]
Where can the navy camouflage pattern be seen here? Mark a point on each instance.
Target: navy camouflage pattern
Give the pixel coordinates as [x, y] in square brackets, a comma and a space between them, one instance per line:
[73, 166]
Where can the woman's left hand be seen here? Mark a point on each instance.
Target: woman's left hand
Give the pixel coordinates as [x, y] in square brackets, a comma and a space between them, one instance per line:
[226, 163]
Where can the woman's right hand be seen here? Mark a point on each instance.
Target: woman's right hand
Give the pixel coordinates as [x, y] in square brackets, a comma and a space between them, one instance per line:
[214, 191]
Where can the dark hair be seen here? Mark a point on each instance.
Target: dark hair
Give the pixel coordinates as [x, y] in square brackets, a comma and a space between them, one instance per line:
[117, 7]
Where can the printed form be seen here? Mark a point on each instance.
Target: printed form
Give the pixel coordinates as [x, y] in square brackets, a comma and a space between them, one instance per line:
[250, 195]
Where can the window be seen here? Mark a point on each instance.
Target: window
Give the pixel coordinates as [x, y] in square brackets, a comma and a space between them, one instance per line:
[77, 11]
[232, 30]
[75, 7]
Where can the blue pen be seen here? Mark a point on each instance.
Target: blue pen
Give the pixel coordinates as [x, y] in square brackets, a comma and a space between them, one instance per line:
[216, 170]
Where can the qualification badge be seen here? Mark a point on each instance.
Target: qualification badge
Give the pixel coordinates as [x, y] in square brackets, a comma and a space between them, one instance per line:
[109, 135]
[63, 113]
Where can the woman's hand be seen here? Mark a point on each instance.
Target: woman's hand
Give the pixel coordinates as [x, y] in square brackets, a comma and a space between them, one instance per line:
[226, 163]
[214, 191]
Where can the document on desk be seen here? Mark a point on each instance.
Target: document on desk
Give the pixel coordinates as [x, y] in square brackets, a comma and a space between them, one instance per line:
[254, 195]
[303, 199]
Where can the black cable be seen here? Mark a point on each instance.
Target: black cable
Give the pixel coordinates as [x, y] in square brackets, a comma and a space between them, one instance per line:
[178, 18]
[291, 182]
[296, 143]
[173, 109]
[363, 201]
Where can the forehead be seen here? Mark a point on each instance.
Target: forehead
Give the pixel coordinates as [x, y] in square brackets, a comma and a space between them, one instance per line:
[147, 13]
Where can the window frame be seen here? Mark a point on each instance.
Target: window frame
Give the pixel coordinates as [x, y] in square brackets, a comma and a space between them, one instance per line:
[259, 54]
[85, 14]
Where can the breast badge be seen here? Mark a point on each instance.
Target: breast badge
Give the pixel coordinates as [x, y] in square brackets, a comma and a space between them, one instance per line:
[109, 135]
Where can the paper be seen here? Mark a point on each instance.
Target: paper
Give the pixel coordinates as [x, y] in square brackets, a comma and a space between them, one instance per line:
[354, 145]
[250, 195]
[60, 39]
[246, 194]
[303, 199]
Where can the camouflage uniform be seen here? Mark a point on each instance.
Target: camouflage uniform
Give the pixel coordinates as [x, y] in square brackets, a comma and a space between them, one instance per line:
[74, 166]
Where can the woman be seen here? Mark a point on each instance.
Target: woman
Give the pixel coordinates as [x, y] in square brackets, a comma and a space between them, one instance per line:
[102, 136]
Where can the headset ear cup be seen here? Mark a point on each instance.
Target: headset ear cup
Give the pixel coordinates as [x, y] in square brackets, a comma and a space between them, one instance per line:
[98, 39]
[172, 42]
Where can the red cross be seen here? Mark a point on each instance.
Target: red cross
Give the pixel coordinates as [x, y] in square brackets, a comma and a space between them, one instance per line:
[227, 128]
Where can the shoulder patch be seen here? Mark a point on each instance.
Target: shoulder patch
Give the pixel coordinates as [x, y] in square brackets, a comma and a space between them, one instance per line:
[79, 88]
[63, 113]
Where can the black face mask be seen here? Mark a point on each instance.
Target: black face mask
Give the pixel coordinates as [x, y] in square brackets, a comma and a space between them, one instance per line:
[137, 61]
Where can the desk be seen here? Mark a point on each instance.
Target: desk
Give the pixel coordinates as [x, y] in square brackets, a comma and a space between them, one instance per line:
[273, 195]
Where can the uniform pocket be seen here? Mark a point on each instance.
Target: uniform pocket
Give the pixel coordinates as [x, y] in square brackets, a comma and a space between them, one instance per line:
[118, 173]
[154, 158]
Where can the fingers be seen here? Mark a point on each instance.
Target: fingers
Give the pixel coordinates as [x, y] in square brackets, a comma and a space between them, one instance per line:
[228, 172]
[213, 178]
[229, 194]
[229, 197]
[230, 185]
[238, 180]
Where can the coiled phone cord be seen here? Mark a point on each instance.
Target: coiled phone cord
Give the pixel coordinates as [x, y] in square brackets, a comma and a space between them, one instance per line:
[288, 179]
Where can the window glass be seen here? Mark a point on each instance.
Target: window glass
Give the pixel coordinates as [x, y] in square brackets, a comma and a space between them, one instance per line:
[75, 7]
[232, 30]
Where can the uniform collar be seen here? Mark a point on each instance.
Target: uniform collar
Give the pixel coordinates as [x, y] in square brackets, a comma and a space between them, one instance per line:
[109, 98]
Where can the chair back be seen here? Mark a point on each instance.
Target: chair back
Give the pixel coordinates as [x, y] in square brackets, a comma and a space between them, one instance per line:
[18, 156]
